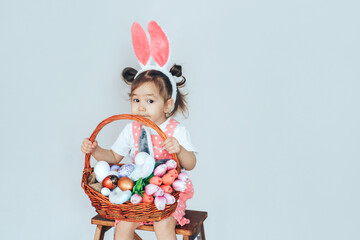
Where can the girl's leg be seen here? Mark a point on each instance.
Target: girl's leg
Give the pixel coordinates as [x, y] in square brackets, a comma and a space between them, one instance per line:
[165, 229]
[125, 230]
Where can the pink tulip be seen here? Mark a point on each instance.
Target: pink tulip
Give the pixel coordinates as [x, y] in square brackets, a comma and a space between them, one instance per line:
[171, 164]
[150, 189]
[183, 176]
[159, 193]
[160, 202]
[160, 170]
[135, 199]
[179, 185]
[170, 199]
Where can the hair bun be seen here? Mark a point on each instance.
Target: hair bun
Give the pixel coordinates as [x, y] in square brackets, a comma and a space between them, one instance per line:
[129, 74]
[176, 70]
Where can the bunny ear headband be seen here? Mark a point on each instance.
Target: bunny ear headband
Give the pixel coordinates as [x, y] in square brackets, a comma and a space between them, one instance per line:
[158, 48]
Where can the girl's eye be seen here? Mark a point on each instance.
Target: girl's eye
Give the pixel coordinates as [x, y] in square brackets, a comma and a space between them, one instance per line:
[150, 101]
[136, 100]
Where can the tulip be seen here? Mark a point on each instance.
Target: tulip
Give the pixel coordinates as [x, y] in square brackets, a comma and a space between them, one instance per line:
[150, 189]
[160, 202]
[174, 172]
[171, 164]
[160, 170]
[147, 198]
[183, 176]
[179, 185]
[170, 199]
[168, 178]
[159, 193]
[156, 180]
[135, 199]
[167, 188]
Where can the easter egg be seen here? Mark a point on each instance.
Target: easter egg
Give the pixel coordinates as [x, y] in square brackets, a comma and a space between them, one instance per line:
[110, 182]
[101, 170]
[105, 191]
[125, 183]
[126, 170]
[114, 168]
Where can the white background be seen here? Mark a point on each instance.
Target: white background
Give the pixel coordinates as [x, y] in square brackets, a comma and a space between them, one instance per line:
[274, 111]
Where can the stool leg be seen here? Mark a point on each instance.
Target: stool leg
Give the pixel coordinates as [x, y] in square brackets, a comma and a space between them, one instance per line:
[137, 237]
[199, 234]
[202, 231]
[100, 232]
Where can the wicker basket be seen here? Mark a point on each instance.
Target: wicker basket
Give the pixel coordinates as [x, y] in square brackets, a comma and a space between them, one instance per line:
[142, 212]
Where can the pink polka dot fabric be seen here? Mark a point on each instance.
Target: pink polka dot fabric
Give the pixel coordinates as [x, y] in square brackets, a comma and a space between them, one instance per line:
[181, 206]
[159, 152]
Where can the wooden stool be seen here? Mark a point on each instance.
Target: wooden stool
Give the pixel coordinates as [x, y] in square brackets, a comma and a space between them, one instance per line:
[189, 231]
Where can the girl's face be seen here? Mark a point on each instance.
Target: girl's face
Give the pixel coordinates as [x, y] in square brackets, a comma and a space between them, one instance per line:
[146, 101]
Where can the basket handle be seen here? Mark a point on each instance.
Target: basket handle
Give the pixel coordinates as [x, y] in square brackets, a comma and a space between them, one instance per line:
[137, 118]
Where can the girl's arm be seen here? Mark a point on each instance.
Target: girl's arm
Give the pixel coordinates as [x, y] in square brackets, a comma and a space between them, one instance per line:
[99, 153]
[186, 158]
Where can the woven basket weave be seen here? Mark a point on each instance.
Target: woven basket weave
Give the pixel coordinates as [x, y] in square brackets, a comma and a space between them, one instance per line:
[142, 212]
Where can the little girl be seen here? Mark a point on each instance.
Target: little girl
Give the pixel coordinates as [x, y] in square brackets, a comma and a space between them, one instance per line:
[151, 92]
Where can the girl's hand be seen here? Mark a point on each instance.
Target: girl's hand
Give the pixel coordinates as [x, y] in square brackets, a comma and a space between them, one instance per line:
[172, 145]
[87, 146]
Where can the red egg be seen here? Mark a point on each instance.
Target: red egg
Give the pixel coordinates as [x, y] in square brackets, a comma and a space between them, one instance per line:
[110, 182]
[125, 183]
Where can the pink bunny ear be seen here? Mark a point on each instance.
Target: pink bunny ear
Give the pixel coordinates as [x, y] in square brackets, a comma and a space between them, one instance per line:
[140, 43]
[159, 44]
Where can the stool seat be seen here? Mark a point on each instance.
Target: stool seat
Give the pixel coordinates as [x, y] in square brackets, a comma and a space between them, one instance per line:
[188, 231]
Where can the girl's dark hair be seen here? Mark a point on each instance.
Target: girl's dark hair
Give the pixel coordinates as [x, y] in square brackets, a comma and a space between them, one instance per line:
[162, 82]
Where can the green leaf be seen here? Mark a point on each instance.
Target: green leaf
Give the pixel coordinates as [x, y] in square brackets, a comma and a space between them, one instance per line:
[147, 180]
[139, 187]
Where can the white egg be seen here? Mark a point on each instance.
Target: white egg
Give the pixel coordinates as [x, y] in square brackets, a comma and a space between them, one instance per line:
[105, 191]
[101, 170]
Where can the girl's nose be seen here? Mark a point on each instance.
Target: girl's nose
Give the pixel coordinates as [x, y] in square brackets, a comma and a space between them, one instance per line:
[141, 107]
